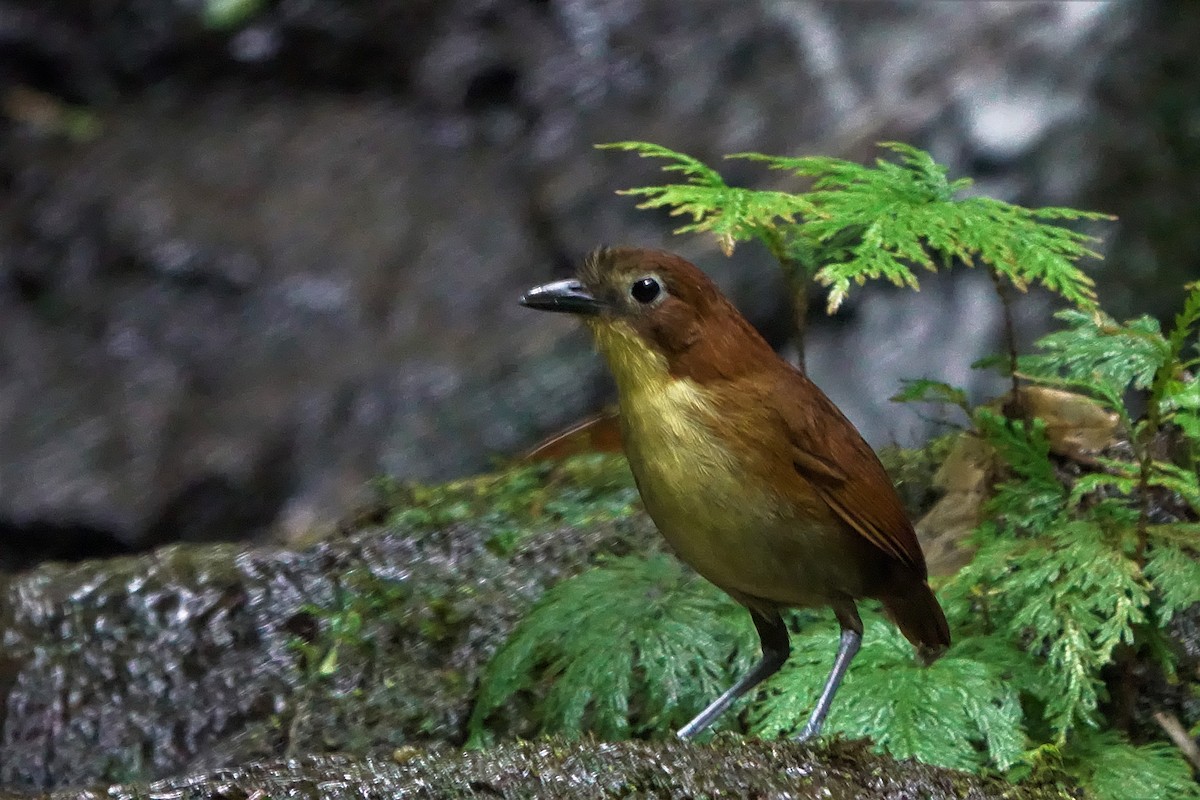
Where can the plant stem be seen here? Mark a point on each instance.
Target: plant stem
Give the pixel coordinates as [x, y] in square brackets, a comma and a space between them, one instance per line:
[798, 284]
[797, 279]
[1142, 448]
[1143, 523]
[1010, 339]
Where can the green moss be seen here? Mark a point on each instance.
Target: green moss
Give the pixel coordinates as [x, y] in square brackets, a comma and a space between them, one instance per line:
[577, 492]
[355, 690]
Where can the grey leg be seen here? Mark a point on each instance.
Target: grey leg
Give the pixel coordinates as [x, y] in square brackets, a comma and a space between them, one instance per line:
[773, 635]
[847, 647]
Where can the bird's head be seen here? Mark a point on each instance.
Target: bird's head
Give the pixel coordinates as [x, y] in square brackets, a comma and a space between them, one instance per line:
[655, 315]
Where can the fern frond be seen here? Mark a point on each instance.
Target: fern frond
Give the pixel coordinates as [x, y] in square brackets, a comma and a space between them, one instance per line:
[1175, 574]
[926, 390]
[1113, 769]
[1119, 476]
[959, 712]
[633, 646]
[1074, 599]
[909, 215]
[1187, 326]
[1176, 392]
[1035, 498]
[1099, 356]
[1181, 404]
[696, 171]
[1184, 483]
[730, 213]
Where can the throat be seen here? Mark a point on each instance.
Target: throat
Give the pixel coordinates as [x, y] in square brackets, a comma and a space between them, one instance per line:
[664, 417]
[636, 367]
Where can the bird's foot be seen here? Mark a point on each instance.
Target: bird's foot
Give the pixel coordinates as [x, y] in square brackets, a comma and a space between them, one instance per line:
[809, 733]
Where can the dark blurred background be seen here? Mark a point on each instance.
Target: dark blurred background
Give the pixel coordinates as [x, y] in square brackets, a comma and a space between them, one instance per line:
[255, 252]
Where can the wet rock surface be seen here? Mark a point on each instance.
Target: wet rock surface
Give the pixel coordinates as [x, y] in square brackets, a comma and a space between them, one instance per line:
[589, 769]
[204, 656]
[252, 257]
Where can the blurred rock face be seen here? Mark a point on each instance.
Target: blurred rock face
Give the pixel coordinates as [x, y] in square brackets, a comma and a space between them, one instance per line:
[285, 258]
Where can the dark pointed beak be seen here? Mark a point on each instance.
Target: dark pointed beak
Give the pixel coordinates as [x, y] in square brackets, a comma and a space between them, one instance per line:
[569, 296]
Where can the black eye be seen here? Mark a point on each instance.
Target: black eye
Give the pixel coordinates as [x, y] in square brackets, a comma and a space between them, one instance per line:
[644, 290]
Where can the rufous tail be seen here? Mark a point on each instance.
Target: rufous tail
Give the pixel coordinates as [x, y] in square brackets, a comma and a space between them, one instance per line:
[920, 618]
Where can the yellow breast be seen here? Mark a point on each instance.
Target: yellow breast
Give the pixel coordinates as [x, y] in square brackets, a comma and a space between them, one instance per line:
[719, 515]
[696, 490]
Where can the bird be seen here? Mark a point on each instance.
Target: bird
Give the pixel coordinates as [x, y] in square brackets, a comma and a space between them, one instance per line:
[749, 471]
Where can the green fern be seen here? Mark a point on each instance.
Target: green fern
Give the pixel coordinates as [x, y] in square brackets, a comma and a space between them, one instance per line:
[910, 215]
[959, 712]
[1126, 479]
[1175, 572]
[1182, 402]
[1060, 573]
[634, 646]
[1096, 355]
[1113, 769]
[1185, 329]
[1056, 585]
[1075, 600]
[730, 213]
[1177, 392]
[1034, 497]
[1106, 360]
[925, 390]
[862, 223]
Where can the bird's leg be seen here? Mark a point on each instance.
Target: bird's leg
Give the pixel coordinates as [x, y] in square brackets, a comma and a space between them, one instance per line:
[773, 635]
[847, 646]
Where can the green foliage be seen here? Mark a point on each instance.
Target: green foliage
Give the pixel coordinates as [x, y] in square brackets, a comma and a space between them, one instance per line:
[924, 390]
[730, 213]
[1174, 569]
[1069, 570]
[1096, 355]
[861, 223]
[1179, 395]
[630, 647]
[961, 712]
[910, 215]
[1113, 769]
[579, 491]
[1106, 360]
[1070, 597]
[1032, 499]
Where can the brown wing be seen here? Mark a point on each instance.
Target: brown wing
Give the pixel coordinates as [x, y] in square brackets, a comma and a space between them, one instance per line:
[830, 453]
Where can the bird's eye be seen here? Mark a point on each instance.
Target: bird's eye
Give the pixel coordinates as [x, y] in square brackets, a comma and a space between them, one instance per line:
[645, 290]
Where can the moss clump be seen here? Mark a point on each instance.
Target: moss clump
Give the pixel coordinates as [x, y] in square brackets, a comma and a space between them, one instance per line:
[577, 492]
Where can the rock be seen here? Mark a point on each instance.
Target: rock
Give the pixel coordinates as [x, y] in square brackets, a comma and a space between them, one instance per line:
[590, 770]
[211, 655]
